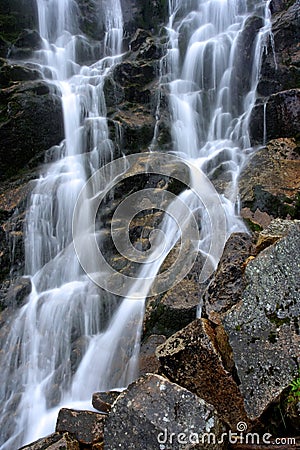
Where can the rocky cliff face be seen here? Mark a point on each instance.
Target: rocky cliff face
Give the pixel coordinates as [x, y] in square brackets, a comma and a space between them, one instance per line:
[247, 342]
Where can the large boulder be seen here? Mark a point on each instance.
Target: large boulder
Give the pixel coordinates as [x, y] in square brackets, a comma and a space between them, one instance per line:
[263, 328]
[192, 358]
[155, 413]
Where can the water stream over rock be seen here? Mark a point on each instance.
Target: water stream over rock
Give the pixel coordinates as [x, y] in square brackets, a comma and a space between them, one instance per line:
[210, 74]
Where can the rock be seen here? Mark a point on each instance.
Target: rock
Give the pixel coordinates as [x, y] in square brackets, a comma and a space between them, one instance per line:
[148, 361]
[277, 229]
[17, 15]
[191, 357]
[151, 409]
[280, 69]
[274, 190]
[138, 39]
[263, 328]
[103, 400]
[282, 113]
[27, 42]
[10, 73]
[85, 426]
[226, 287]
[176, 309]
[17, 292]
[29, 109]
[55, 441]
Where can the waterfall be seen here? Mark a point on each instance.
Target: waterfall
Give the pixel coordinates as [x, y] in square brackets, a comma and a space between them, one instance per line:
[72, 338]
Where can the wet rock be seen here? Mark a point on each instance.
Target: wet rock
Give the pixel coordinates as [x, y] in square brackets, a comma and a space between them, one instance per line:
[263, 328]
[85, 426]
[30, 109]
[191, 357]
[55, 441]
[274, 190]
[27, 42]
[102, 401]
[227, 285]
[10, 73]
[138, 39]
[151, 409]
[148, 361]
[18, 292]
[280, 69]
[282, 113]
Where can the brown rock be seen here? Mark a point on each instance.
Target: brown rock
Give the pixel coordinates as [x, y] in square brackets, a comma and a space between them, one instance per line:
[191, 357]
[275, 189]
[277, 229]
[103, 400]
[86, 426]
[55, 441]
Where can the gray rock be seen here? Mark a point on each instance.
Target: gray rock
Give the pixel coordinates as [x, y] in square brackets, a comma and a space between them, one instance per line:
[102, 401]
[148, 361]
[151, 409]
[263, 329]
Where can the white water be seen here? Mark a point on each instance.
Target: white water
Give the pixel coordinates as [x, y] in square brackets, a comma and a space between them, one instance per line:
[208, 127]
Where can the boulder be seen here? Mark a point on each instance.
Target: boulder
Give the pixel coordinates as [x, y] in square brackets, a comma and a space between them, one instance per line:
[155, 413]
[263, 328]
[274, 191]
[277, 229]
[55, 441]
[17, 15]
[85, 426]
[192, 358]
[226, 287]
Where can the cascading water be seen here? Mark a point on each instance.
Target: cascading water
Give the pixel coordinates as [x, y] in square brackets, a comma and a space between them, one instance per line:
[209, 115]
[38, 357]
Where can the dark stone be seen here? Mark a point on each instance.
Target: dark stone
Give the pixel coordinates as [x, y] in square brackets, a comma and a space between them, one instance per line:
[27, 42]
[102, 401]
[227, 285]
[10, 73]
[55, 441]
[30, 110]
[138, 39]
[282, 113]
[15, 16]
[85, 426]
[145, 415]
[280, 69]
[148, 360]
[191, 357]
[263, 328]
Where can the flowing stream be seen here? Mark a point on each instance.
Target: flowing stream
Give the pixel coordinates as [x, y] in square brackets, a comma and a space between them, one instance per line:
[209, 111]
